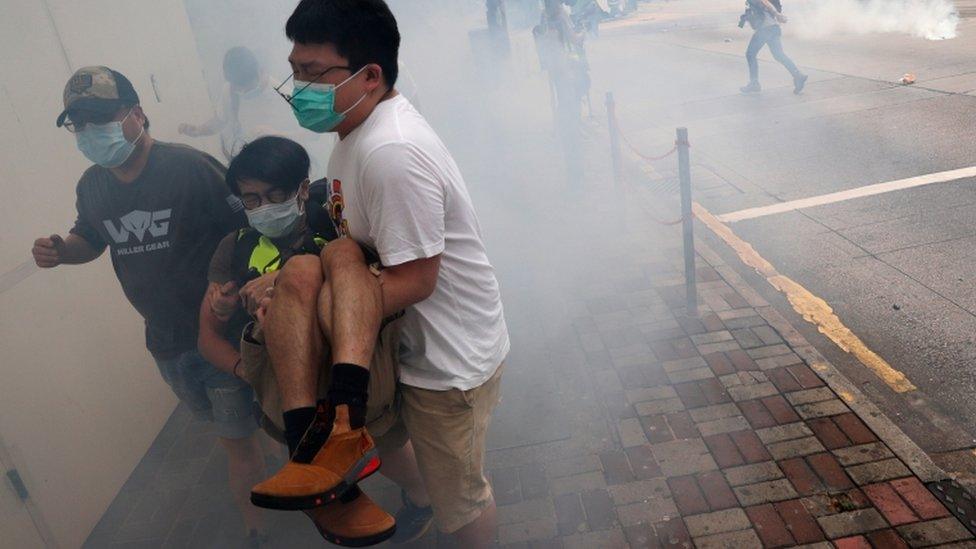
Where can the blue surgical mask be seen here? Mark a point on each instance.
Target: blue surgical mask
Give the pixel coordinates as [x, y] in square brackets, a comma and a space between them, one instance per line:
[105, 144]
[314, 105]
[275, 220]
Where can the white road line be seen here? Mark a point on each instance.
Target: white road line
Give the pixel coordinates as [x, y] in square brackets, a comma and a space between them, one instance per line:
[868, 190]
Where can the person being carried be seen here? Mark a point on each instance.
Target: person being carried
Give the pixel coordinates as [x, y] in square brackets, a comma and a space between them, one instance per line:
[288, 224]
[394, 189]
[765, 17]
[160, 209]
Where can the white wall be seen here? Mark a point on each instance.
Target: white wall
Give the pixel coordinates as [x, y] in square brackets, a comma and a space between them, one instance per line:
[80, 399]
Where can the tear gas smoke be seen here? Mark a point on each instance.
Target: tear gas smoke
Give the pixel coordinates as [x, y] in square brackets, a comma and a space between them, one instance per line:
[928, 19]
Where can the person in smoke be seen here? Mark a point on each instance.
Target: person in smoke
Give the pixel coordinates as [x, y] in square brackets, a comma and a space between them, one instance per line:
[562, 55]
[160, 209]
[249, 106]
[765, 17]
[395, 190]
[271, 176]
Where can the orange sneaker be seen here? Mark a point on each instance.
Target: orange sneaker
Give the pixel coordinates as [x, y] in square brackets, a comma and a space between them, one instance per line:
[314, 478]
[354, 521]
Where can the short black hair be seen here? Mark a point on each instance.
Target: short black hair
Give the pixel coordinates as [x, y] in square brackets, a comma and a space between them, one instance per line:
[362, 31]
[240, 66]
[277, 161]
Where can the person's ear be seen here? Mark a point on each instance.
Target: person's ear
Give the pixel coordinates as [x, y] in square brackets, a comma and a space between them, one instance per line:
[139, 115]
[303, 196]
[374, 76]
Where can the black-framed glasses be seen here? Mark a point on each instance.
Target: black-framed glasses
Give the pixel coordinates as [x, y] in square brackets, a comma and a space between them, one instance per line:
[288, 98]
[253, 201]
[75, 126]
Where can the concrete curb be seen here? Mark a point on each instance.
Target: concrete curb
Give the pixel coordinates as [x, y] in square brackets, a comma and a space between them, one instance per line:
[914, 457]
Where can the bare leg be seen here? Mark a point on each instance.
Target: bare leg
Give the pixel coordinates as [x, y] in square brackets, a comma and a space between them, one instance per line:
[245, 468]
[481, 532]
[292, 331]
[356, 303]
[400, 466]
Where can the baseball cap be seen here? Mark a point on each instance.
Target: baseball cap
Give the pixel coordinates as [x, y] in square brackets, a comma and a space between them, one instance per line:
[97, 89]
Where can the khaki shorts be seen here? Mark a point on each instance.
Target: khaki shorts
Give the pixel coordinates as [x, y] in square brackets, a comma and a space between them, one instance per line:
[448, 431]
[381, 408]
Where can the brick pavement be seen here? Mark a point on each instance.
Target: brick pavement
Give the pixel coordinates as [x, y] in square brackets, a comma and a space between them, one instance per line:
[720, 434]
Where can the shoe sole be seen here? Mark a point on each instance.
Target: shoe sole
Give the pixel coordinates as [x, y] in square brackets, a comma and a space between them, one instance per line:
[366, 466]
[360, 541]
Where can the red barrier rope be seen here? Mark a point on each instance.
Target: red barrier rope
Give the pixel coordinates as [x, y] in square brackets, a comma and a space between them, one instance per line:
[630, 145]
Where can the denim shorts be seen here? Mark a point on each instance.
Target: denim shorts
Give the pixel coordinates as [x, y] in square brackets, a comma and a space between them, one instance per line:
[211, 394]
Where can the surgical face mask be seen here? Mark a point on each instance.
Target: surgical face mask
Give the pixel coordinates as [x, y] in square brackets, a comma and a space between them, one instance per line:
[314, 105]
[275, 220]
[105, 144]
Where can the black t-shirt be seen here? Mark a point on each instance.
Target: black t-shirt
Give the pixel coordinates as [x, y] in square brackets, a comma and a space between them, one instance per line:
[162, 229]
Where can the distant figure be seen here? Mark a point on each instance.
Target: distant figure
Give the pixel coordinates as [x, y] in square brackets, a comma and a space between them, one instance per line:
[562, 55]
[249, 106]
[764, 16]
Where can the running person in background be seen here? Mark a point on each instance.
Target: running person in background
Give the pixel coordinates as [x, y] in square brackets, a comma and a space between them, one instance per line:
[249, 107]
[161, 209]
[765, 17]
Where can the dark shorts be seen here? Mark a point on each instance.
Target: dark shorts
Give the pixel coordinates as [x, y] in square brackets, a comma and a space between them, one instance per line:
[211, 394]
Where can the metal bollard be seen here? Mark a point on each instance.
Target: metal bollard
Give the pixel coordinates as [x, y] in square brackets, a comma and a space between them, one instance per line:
[614, 138]
[687, 222]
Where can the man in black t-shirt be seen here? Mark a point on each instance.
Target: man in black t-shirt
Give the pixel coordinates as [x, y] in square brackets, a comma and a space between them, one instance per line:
[160, 209]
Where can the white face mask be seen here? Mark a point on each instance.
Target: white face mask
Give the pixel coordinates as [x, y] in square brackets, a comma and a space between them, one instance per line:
[275, 220]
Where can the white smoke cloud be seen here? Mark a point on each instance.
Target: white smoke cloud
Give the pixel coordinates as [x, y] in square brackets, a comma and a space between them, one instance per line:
[929, 19]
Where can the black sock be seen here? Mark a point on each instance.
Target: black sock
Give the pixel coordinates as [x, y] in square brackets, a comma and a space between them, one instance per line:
[296, 423]
[350, 386]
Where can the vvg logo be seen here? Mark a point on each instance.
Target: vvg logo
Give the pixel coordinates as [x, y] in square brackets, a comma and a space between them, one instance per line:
[138, 222]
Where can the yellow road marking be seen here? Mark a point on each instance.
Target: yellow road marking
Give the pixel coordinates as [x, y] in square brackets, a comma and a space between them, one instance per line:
[813, 309]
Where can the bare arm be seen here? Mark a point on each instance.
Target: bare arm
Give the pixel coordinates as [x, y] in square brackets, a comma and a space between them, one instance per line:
[217, 350]
[73, 250]
[773, 11]
[210, 127]
[409, 283]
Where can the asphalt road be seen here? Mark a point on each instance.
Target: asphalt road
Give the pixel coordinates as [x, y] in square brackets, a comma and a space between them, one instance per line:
[897, 268]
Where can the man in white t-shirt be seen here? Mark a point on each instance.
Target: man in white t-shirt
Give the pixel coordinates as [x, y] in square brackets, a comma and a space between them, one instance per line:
[396, 191]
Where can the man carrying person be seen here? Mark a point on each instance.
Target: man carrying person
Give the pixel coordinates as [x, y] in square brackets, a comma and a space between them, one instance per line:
[765, 17]
[396, 190]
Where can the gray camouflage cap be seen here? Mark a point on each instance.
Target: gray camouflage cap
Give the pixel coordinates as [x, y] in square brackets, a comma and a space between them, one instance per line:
[97, 89]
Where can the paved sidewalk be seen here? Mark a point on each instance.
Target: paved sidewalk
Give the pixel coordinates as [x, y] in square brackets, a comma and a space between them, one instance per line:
[722, 435]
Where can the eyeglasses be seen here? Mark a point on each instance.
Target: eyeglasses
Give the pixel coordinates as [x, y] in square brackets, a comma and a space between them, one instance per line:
[288, 98]
[75, 126]
[253, 201]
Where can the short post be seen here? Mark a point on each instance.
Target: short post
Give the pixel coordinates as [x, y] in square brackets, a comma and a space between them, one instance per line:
[687, 222]
[614, 138]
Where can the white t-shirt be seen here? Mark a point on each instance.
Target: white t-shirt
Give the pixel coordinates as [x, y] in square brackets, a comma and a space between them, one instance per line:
[401, 194]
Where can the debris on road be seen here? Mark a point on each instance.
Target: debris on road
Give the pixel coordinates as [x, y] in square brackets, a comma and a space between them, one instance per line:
[908, 79]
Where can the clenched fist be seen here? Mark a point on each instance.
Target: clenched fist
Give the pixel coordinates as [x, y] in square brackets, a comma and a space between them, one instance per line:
[48, 252]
